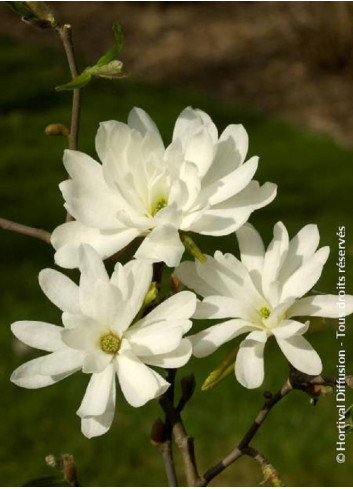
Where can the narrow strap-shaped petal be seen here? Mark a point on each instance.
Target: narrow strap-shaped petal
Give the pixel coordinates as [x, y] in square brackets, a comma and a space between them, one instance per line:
[288, 328]
[301, 249]
[326, 306]
[31, 375]
[180, 306]
[274, 257]
[92, 426]
[252, 252]
[162, 244]
[207, 341]
[138, 382]
[60, 290]
[43, 336]
[305, 277]
[249, 364]
[68, 237]
[97, 395]
[301, 354]
[173, 359]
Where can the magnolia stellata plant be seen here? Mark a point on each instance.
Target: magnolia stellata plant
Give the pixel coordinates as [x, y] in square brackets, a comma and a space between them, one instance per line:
[149, 197]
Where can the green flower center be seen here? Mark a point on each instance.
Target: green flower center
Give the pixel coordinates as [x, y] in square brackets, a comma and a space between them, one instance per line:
[110, 343]
[160, 204]
[265, 312]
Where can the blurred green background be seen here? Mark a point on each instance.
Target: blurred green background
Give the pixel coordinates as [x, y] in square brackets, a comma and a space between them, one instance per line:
[315, 179]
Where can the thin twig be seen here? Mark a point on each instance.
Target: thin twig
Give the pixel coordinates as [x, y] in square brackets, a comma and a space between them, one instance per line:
[167, 447]
[183, 441]
[270, 402]
[270, 474]
[26, 230]
[297, 381]
[65, 34]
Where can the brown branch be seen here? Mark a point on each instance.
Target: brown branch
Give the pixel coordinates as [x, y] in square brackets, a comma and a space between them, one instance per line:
[296, 381]
[26, 230]
[167, 447]
[271, 401]
[183, 441]
[65, 34]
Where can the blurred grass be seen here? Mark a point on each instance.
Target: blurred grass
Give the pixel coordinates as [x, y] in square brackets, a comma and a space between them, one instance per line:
[315, 181]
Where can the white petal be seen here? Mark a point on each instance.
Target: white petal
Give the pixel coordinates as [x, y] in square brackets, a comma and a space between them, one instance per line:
[189, 121]
[228, 216]
[88, 198]
[97, 393]
[60, 290]
[133, 281]
[200, 149]
[238, 134]
[59, 362]
[43, 336]
[180, 306]
[100, 302]
[138, 382]
[91, 266]
[98, 425]
[327, 306]
[67, 238]
[249, 365]
[29, 374]
[96, 362]
[162, 244]
[77, 320]
[288, 328]
[230, 153]
[208, 340]
[301, 354]
[274, 258]
[233, 183]
[301, 249]
[305, 277]
[186, 273]
[252, 251]
[157, 338]
[139, 119]
[220, 307]
[85, 336]
[174, 359]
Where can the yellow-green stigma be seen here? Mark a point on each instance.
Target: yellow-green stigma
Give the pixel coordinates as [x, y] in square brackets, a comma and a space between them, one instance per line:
[161, 203]
[110, 343]
[265, 312]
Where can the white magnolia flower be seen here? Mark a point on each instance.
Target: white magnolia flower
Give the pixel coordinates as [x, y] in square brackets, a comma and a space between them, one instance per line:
[100, 337]
[198, 183]
[262, 294]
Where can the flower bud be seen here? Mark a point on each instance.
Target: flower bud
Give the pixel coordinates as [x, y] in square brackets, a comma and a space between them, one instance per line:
[158, 434]
[56, 130]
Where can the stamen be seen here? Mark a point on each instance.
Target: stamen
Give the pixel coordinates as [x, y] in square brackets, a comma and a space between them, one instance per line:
[159, 205]
[265, 312]
[110, 343]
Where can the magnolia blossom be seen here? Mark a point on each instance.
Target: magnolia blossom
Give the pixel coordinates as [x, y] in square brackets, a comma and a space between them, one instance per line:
[101, 338]
[262, 295]
[199, 183]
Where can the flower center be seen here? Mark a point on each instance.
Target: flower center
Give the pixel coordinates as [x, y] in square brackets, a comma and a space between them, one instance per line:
[110, 343]
[160, 204]
[265, 312]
